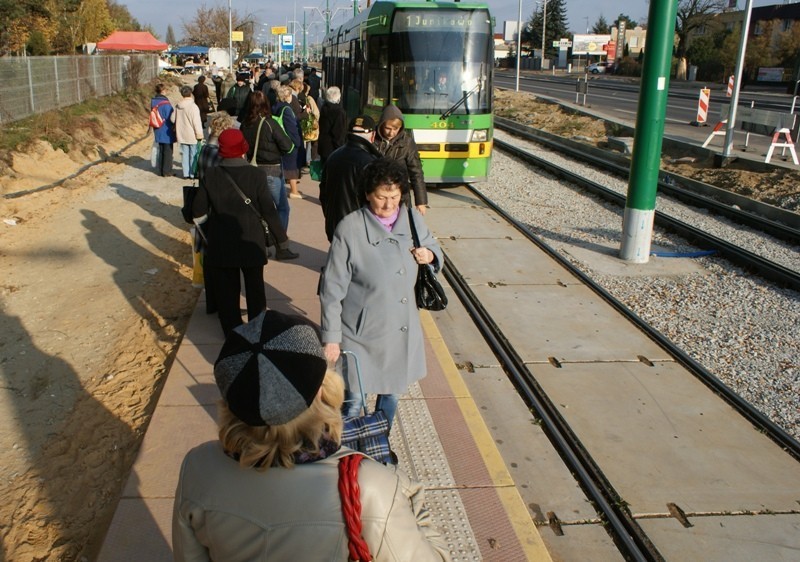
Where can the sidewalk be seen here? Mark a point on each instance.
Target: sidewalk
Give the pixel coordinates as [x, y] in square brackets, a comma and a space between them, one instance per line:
[439, 436]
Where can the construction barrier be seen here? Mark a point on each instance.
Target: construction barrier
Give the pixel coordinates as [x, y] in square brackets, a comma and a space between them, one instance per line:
[729, 91]
[702, 108]
[780, 126]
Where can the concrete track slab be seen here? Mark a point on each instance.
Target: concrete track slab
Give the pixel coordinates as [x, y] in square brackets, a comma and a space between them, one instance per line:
[744, 538]
[467, 346]
[479, 259]
[470, 222]
[581, 543]
[616, 407]
[535, 320]
[453, 197]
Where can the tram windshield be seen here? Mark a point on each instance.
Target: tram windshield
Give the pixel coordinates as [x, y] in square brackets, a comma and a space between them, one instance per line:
[440, 58]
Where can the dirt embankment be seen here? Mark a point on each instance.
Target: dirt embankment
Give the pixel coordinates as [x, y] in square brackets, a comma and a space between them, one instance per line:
[94, 299]
[778, 186]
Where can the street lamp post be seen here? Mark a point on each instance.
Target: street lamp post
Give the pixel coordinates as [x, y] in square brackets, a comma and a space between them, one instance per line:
[544, 28]
[230, 35]
[519, 39]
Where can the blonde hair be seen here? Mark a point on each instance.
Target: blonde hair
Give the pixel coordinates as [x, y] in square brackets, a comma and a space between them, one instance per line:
[220, 123]
[285, 93]
[296, 85]
[267, 446]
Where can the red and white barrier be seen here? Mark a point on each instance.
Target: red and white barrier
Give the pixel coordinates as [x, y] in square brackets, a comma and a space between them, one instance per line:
[702, 108]
[789, 143]
[719, 129]
[729, 91]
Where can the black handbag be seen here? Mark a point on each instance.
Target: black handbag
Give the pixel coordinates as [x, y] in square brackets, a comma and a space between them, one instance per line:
[249, 203]
[189, 193]
[428, 291]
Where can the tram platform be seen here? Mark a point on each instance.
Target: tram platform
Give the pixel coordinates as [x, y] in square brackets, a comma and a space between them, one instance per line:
[439, 436]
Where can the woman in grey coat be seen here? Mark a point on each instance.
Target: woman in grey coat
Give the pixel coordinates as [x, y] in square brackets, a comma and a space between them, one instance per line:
[367, 290]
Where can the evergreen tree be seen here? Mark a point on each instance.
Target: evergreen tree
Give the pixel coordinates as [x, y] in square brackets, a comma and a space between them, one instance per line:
[170, 36]
[555, 26]
[601, 26]
[37, 44]
[630, 23]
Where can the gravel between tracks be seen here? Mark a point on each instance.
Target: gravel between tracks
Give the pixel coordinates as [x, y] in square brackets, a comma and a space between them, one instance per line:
[741, 328]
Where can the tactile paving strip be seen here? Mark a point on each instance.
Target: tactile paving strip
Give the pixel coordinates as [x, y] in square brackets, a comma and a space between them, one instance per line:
[420, 455]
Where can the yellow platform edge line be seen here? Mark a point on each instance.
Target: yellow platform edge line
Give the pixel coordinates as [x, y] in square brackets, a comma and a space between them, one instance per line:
[528, 534]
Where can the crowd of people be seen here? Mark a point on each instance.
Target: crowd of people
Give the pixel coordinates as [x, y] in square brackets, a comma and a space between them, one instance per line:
[285, 388]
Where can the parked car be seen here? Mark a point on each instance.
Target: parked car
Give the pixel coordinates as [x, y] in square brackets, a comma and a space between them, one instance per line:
[601, 68]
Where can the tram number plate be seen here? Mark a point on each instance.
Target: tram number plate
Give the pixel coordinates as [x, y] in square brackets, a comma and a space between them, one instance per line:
[442, 125]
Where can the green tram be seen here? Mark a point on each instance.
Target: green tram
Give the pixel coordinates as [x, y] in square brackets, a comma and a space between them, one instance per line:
[434, 61]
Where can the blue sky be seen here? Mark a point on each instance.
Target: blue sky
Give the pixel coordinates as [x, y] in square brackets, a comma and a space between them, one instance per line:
[160, 13]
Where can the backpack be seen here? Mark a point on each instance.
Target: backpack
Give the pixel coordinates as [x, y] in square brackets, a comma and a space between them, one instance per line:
[279, 119]
[155, 117]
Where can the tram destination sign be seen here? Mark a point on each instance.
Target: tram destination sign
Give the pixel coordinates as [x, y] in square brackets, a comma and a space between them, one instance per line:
[426, 20]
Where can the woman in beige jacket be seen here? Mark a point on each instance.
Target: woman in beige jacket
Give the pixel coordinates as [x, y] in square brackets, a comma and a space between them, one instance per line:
[189, 129]
[268, 489]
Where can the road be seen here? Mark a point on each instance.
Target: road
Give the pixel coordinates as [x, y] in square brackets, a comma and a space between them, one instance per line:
[617, 98]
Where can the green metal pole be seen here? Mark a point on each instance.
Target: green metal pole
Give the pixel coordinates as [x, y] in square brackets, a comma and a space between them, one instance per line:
[305, 36]
[637, 224]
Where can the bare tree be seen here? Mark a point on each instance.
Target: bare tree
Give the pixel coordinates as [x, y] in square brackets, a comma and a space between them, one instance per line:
[692, 15]
[210, 27]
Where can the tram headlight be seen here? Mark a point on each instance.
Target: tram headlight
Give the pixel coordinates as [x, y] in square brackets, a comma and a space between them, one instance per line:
[480, 135]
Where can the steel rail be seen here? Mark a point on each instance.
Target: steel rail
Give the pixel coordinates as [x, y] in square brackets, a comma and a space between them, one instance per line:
[629, 536]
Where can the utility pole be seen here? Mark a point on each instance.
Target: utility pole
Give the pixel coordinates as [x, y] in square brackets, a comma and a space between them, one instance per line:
[230, 35]
[544, 28]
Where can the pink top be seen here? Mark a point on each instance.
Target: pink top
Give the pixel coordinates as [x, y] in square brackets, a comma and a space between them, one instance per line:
[388, 222]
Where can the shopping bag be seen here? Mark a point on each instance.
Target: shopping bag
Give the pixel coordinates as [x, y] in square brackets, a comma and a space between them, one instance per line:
[315, 170]
[196, 159]
[198, 281]
[189, 193]
[368, 433]
[154, 155]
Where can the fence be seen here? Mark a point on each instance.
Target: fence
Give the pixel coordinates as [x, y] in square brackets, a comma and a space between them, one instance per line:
[31, 85]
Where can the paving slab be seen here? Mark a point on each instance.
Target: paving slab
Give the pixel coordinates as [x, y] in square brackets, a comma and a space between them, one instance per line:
[152, 539]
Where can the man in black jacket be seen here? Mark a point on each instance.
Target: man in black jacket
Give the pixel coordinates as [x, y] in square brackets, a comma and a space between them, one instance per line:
[339, 192]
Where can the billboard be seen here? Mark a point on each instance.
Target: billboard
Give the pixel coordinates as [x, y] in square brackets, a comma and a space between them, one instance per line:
[589, 44]
[510, 31]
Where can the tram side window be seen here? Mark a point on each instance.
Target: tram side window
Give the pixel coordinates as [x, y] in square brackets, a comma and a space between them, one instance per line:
[378, 75]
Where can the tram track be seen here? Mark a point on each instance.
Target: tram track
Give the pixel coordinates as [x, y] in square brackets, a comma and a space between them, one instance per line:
[630, 538]
[766, 268]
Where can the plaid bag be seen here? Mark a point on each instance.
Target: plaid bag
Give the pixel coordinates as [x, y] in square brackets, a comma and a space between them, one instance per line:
[368, 433]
